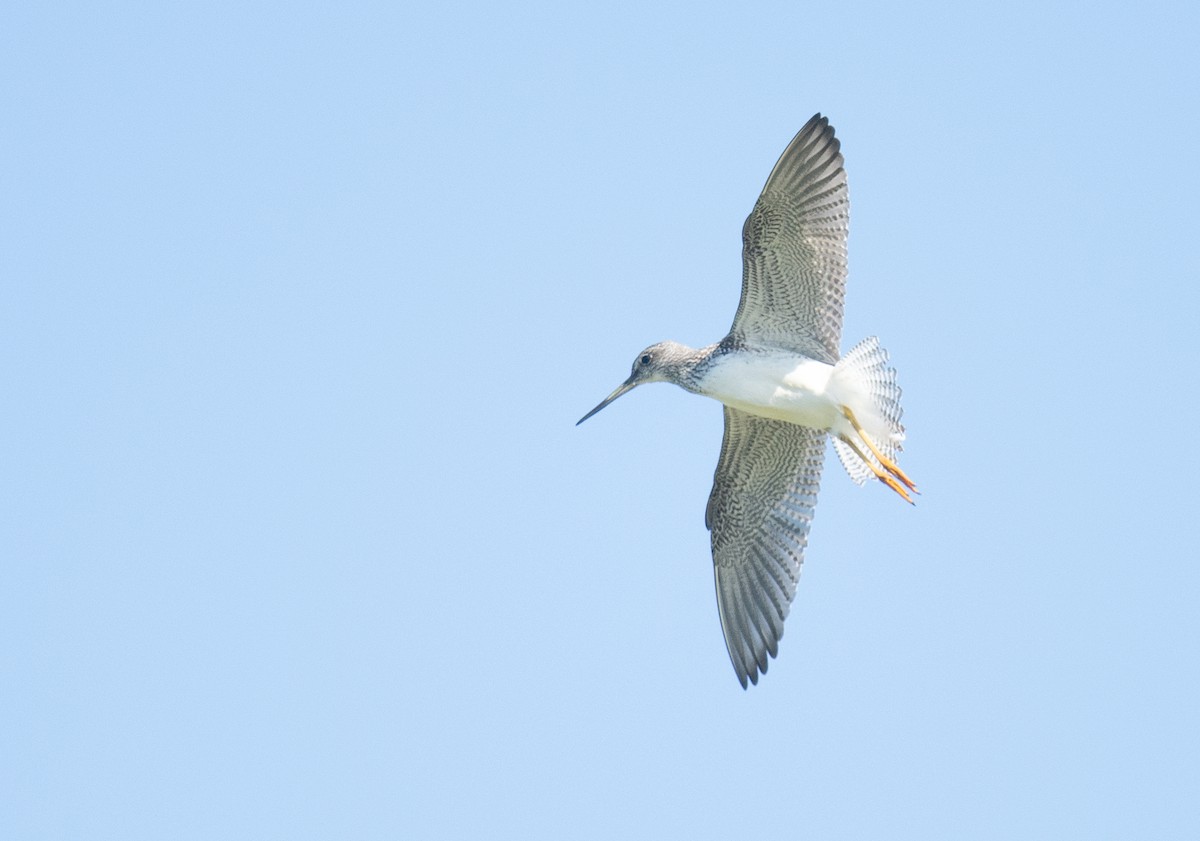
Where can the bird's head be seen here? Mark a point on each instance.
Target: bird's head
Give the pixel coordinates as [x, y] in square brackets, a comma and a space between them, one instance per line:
[663, 362]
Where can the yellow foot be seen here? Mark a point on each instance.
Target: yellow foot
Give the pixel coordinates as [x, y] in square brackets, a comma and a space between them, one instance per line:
[893, 471]
[892, 468]
[897, 487]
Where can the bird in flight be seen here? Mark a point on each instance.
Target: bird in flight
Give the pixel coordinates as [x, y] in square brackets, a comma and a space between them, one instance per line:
[784, 387]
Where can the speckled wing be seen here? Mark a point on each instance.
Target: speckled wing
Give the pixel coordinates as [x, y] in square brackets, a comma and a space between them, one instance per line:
[759, 512]
[794, 250]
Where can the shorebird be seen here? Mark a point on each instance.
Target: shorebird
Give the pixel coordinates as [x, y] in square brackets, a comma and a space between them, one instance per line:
[785, 388]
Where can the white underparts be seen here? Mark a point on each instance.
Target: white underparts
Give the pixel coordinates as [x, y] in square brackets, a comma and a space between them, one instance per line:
[788, 387]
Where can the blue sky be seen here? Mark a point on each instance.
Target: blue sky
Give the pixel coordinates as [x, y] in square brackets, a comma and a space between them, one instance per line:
[299, 305]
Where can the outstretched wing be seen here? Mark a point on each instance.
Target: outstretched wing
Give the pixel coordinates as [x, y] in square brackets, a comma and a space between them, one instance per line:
[794, 249]
[759, 512]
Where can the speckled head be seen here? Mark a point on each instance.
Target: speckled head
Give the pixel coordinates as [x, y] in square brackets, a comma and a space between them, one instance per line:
[665, 362]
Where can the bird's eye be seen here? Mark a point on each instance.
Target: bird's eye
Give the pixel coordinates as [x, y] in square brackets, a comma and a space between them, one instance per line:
[645, 359]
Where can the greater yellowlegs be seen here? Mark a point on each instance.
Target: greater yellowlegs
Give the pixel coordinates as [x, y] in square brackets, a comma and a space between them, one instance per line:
[784, 387]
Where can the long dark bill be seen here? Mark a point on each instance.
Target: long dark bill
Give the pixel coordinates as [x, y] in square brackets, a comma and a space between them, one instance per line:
[621, 389]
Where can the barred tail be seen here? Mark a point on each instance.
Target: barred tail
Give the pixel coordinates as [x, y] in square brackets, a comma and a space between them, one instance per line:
[863, 381]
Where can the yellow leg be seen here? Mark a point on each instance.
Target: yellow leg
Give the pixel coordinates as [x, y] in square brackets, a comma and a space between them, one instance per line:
[890, 466]
[886, 478]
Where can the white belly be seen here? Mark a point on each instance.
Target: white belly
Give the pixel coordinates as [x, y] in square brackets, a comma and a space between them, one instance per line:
[779, 386]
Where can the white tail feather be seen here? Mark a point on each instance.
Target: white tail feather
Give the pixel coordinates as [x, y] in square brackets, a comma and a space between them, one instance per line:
[855, 466]
[863, 381]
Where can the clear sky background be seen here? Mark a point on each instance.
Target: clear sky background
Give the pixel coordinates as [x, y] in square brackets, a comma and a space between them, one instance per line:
[298, 309]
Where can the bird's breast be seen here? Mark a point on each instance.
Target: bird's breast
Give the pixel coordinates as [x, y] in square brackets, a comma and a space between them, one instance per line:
[774, 385]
